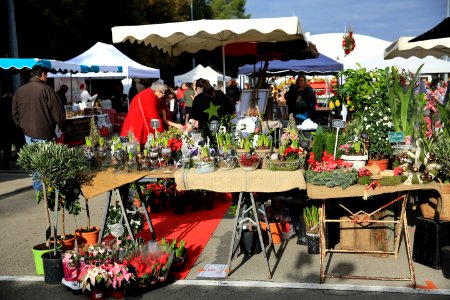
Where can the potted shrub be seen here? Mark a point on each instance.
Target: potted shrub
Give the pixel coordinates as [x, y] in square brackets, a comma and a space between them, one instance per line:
[55, 165]
[311, 217]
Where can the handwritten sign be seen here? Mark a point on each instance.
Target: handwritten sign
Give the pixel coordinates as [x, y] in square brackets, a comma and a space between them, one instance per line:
[337, 123]
[396, 137]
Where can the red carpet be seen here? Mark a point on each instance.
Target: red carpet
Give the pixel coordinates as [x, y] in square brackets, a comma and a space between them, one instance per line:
[194, 227]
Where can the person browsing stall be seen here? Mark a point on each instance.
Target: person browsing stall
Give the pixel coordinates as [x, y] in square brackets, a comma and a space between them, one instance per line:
[209, 105]
[145, 108]
[301, 99]
[166, 115]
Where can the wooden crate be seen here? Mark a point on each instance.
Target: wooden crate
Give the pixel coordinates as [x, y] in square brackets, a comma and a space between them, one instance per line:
[367, 236]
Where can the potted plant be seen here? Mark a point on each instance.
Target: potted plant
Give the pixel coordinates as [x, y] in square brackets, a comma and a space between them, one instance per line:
[311, 217]
[377, 122]
[404, 101]
[95, 279]
[55, 165]
[121, 277]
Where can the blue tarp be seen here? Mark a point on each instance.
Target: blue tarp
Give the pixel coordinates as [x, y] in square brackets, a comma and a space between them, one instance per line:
[54, 66]
[321, 65]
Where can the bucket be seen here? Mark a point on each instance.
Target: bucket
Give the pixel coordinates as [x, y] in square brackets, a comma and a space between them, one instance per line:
[89, 237]
[445, 256]
[250, 243]
[275, 229]
[53, 268]
[38, 250]
[313, 243]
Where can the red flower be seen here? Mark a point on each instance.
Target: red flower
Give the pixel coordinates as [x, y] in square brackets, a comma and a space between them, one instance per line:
[175, 144]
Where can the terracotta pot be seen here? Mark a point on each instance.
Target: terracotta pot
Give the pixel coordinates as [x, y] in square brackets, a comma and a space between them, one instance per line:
[381, 163]
[276, 230]
[87, 237]
[68, 243]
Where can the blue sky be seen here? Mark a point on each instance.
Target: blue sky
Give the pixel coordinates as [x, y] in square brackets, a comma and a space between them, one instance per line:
[383, 19]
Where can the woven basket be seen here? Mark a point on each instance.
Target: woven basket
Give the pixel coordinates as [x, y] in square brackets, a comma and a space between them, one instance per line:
[429, 207]
[265, 157]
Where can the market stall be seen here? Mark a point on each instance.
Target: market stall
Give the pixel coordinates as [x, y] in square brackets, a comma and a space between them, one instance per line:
[245, 183]
[342, 196]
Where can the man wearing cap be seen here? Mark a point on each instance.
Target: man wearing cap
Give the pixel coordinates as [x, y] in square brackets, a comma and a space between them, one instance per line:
[37, 109]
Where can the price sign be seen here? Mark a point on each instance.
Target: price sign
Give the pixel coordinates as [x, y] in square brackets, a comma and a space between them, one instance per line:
[396, 137]
[337, 123]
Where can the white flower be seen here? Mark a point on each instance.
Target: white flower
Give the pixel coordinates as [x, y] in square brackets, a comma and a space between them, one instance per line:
[371, 114]
[385, 118]
[365, 119]
[366, 108]
[367, 126]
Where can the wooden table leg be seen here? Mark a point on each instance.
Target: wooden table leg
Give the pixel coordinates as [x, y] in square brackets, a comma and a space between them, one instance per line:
[322, 240]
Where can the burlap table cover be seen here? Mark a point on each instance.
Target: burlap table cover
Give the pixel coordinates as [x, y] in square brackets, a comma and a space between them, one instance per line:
[103, 181]
[323, 192]
[238, 180]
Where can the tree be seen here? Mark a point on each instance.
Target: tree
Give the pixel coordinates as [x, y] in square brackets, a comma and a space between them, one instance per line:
[229, 9]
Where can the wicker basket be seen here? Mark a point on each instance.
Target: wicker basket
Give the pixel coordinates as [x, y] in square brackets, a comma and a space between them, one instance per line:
[430, 209]
[277, 165]
[265, 157]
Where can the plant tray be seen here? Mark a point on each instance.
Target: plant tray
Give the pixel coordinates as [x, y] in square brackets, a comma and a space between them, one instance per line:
[278, 165]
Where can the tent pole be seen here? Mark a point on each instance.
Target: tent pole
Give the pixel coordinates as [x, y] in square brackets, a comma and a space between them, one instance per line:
[223, 67]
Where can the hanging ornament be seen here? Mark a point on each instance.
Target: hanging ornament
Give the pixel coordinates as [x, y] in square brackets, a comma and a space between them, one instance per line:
[348, 42]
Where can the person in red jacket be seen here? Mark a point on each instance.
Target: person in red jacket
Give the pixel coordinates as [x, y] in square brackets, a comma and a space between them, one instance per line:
[145, 107]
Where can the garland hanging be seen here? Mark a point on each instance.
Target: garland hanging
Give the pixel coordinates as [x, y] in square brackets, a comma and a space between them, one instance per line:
[348, 42]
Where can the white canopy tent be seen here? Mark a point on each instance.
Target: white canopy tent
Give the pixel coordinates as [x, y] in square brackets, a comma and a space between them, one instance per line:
[106, 54]
[200, 71]
[369, 53]
[404, 48]
[193, 36]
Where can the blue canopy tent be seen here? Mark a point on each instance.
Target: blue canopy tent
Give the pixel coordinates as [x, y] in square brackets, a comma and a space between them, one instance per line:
[320, 65]
[54, 66]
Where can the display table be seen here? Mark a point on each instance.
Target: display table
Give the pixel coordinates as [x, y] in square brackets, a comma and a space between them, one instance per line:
[338, 195]
[244, 182]
[106, 181]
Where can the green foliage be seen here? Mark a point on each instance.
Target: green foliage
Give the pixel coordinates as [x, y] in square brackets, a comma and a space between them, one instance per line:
[311, 216]
[360, 85]
[404, 103]
[229, 9]
[441, 149]
[319, 143]
[339, 177]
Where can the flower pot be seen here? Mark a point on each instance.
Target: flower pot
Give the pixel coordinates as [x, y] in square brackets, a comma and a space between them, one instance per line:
[118, 293]
[250, 243]
[265, 156]
[53, 268]
[445, 253]
[275, 229]
[38, 250]
[178, 262]
[70, 272]
[301, 239]
[68, 243]
[97, 295]
[313, 243]
[358, 161]
[381, 163]
[87, 237]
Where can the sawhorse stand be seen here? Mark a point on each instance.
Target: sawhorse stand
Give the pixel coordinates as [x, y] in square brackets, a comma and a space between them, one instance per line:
[249, 214]
[124, 212]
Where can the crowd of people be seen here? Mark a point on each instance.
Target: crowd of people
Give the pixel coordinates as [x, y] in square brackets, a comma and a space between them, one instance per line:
[193, 104]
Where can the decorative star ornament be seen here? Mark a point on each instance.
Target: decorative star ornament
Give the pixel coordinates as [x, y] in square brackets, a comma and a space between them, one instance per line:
[212, 111]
